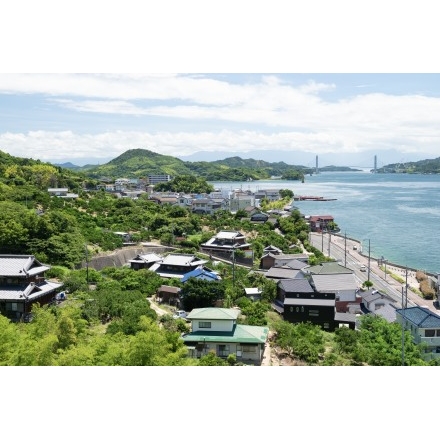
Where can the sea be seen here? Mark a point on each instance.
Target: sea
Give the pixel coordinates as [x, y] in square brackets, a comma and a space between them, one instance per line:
[396, 216]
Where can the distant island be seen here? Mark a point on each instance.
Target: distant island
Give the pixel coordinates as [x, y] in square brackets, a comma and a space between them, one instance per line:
[138, 163]
[426, 166]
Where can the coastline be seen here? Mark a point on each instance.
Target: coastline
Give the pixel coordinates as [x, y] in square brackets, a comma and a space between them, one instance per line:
[392, 268]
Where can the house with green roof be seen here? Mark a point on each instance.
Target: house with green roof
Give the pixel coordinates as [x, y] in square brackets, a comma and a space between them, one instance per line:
[424, 326]
[216, 329]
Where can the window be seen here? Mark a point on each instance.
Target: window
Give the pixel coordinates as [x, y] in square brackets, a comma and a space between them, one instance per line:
[204, 324]
[223, 350]
[429, 333]
[438, 332]
[249, 348]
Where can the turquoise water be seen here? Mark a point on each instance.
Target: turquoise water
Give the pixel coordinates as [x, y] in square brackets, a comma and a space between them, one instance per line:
[398, 213]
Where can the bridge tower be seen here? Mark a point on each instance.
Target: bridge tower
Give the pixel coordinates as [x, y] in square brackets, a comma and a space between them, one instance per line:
[316, 166]
[375, 163]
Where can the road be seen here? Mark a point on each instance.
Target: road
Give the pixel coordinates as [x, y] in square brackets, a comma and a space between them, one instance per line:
[341, 249]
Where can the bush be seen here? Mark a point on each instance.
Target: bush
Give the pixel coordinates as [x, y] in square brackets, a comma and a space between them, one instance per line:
[426, 289]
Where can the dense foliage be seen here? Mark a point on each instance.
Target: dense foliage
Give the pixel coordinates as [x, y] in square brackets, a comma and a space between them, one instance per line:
[113, 324]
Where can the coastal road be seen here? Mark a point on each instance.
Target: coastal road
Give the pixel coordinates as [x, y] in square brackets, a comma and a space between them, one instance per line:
[342, 250]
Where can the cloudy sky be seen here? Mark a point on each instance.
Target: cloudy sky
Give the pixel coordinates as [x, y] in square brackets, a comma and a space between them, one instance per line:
[88, 118]
[344, 118]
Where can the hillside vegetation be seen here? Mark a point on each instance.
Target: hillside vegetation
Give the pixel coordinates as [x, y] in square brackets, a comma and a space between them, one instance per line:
[426, 166]
[139, 163]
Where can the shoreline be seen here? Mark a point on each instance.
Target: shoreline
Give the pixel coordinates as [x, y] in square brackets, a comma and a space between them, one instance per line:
[392, 269]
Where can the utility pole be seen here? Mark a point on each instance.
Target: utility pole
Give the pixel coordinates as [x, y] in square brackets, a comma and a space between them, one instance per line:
[322, 240]
[403, 332]
[87, 263]
[345, 248]
[233, 269]
[406, 287]
[368, 259]
[329, 240]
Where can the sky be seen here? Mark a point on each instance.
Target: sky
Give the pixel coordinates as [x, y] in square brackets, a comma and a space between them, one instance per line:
[347, 118]
[281, 91]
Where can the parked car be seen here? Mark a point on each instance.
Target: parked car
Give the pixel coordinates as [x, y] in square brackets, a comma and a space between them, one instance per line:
[363, 268]
[180, 314]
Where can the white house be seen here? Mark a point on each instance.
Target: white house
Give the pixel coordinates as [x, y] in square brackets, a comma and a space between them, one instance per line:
[216, 329]
[424, 326]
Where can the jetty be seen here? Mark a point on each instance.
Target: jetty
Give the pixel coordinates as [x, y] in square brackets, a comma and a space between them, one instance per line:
[312, 198]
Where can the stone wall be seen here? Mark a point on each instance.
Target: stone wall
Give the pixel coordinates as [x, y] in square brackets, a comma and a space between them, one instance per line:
[121, 257]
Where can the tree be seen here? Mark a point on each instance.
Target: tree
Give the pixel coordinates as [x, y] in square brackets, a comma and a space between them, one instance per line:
[201, 293]
[211, 360]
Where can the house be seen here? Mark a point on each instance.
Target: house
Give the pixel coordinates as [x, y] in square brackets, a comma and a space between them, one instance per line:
[276, 259]
[240, 201]
[207, 205]
[153, 179]
[226, 242]
[216, 329]
[144, 261]
[168, 294]
[273, 250]
[253, 293]
[280, 273]
[374, 302]
[62, 192]
[201, 273]
[424, 326]
[22, 284]
[317, 308]
[177, 265]
[125, 236]
[298, 301]
[319, 223]
[343, 285]
[290, 288]
[269, 194]
[259, 217]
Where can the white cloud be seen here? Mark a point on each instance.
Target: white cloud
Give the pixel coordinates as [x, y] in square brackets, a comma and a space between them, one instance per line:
[51, 146]
[266, 113]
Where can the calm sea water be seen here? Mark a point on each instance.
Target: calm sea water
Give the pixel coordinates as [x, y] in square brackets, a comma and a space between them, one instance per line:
[398, 213]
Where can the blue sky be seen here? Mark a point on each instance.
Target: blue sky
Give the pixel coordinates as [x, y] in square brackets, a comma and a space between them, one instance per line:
[347, 118]
[344, 118]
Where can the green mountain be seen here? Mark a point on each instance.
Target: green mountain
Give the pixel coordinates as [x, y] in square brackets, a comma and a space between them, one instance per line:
[138, 163]
[425, 166]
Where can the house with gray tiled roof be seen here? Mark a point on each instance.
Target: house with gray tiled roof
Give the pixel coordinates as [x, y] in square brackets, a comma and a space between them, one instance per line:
[216, 329]
[343, 285]
[226, 242]
[291, 264]
[22, 284]
[281, 273]
[424, 326]
[330, 267]
[272, 259]
[374, 302]
[177, 265]
[144, 261]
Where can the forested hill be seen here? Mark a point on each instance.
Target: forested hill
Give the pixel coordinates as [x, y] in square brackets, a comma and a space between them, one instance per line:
[426, 166]
[138, 163]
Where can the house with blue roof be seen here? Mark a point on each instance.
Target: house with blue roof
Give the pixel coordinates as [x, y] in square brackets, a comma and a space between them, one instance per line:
[201, 273]
[424, 326]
